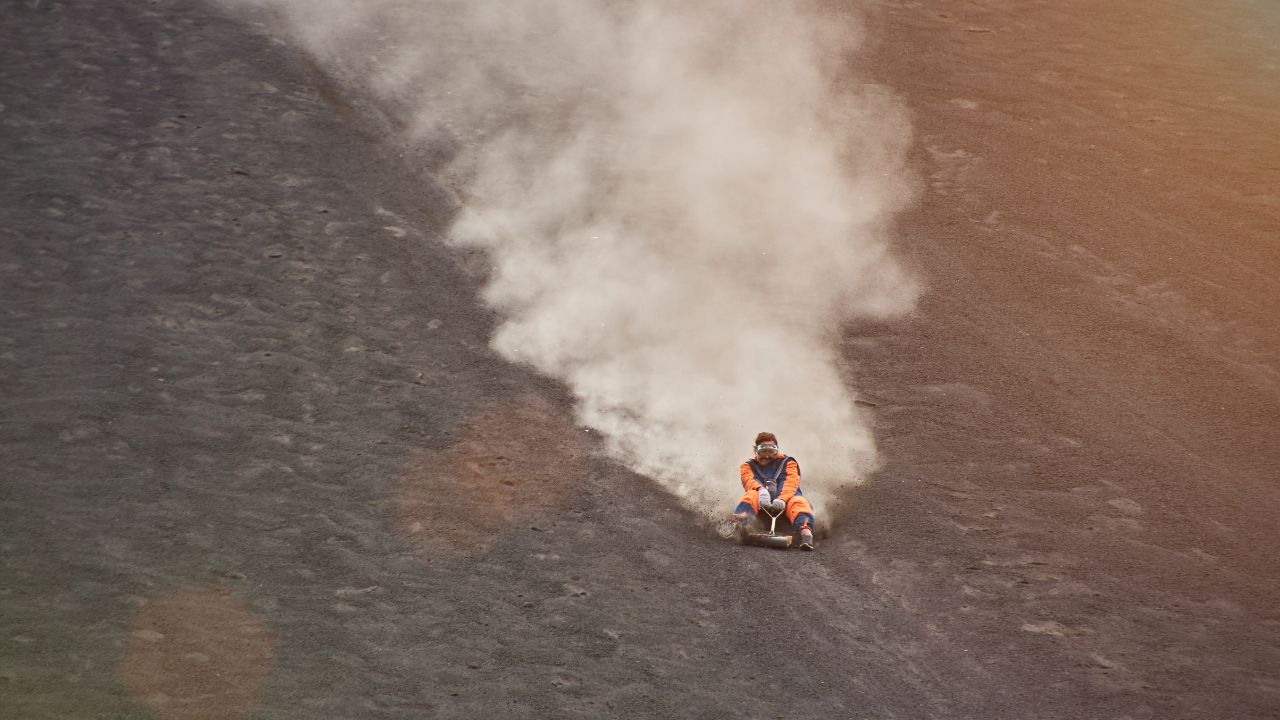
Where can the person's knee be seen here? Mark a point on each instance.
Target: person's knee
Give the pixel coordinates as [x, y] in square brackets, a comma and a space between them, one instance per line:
[798, 506]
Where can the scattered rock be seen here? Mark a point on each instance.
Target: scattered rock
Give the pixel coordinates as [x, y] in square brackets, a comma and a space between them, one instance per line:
[1048, 627]
[1126, 506]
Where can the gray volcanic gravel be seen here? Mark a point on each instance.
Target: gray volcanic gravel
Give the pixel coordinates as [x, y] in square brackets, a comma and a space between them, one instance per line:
[260, 462]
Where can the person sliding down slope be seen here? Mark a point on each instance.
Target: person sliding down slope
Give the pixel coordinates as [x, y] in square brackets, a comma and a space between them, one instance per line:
[771, 481]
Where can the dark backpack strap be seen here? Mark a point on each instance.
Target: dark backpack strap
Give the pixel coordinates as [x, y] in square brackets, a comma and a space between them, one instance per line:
[758, 471]
[782, 468]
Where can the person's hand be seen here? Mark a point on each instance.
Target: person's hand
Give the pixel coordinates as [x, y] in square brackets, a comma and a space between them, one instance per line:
[765, 500]
[777, 506]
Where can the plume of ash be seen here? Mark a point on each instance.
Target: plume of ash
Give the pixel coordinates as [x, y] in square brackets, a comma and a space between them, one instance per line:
[683, 203]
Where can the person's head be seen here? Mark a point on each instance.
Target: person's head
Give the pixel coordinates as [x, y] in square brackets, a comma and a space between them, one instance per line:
[766, 446]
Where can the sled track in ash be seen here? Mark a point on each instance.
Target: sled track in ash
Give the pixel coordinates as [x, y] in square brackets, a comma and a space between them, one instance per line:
[238, 362]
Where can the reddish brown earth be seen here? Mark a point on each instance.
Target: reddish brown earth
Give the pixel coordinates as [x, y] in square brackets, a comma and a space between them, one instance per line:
[235, 357]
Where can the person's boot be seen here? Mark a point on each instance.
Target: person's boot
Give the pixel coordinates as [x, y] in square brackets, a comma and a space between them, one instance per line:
[806, 538]
[742, 525]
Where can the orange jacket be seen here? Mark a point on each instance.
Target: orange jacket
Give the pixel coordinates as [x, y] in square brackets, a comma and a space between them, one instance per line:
[789, 486]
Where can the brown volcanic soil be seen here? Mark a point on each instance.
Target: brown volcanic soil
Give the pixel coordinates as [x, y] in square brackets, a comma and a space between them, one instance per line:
[235, 358]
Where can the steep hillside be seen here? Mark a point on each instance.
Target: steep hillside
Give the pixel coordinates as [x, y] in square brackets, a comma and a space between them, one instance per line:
[260, 461]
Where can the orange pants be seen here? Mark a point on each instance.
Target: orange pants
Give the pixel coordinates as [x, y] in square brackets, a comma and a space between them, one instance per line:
[797, 506]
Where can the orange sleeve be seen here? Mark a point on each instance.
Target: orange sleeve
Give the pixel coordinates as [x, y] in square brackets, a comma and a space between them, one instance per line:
[749, 478]
[792, 483]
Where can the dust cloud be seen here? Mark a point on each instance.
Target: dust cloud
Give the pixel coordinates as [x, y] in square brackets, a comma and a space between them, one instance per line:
[683, 204]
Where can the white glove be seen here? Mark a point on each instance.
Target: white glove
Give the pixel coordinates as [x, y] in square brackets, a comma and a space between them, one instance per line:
[764, 498]
[777, 506]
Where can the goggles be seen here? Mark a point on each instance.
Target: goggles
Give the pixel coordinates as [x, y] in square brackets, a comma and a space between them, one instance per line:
[762, 448]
